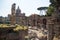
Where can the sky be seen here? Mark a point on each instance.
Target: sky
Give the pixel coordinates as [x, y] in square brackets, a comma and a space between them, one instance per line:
[27, 6]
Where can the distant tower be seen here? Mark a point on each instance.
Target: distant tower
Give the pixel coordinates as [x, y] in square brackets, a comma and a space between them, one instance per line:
[18, 11]
[13, 13]
[13, 9]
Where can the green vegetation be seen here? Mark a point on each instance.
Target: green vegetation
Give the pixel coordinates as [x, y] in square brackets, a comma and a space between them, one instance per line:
[55, 3]
[50, 10]
[42, 8]
[53, 6]
[18, 27]
[4, 25]
[15, 27]
[45, 9]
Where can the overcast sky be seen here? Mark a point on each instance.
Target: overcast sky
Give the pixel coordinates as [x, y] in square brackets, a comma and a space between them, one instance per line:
[27, 6]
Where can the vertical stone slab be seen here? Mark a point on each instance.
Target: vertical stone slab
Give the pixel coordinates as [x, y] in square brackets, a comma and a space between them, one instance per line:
[50, 26]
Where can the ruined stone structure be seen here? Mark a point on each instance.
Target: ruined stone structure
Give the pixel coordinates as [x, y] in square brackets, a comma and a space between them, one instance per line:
[53, 26]
[16, 16]
[19, 18]
[51, 23]
[1, 19]
[34, 20]
[9, 34]
[13, 14]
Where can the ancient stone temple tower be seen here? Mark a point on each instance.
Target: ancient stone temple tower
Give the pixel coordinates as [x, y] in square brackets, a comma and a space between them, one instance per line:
[16, 16]
[18, 12]
[13, 12]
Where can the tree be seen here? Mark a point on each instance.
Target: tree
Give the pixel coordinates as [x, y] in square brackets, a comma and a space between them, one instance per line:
[51, 7]
[55, 3]
[50, 11]
[41, 9]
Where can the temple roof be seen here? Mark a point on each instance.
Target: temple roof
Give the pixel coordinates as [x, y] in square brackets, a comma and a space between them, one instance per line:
[18, 9]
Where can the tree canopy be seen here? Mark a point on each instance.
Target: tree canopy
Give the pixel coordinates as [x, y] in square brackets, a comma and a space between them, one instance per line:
[55, 5]
[51, 7]
[50, 10]
[42, 8]
[55, 2]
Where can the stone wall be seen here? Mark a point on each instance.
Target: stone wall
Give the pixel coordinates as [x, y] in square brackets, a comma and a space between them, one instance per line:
[10, 34]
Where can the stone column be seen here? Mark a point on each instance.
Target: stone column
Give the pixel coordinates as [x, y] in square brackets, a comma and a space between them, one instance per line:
[50, 26]
[13, 13]
[21, 35]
